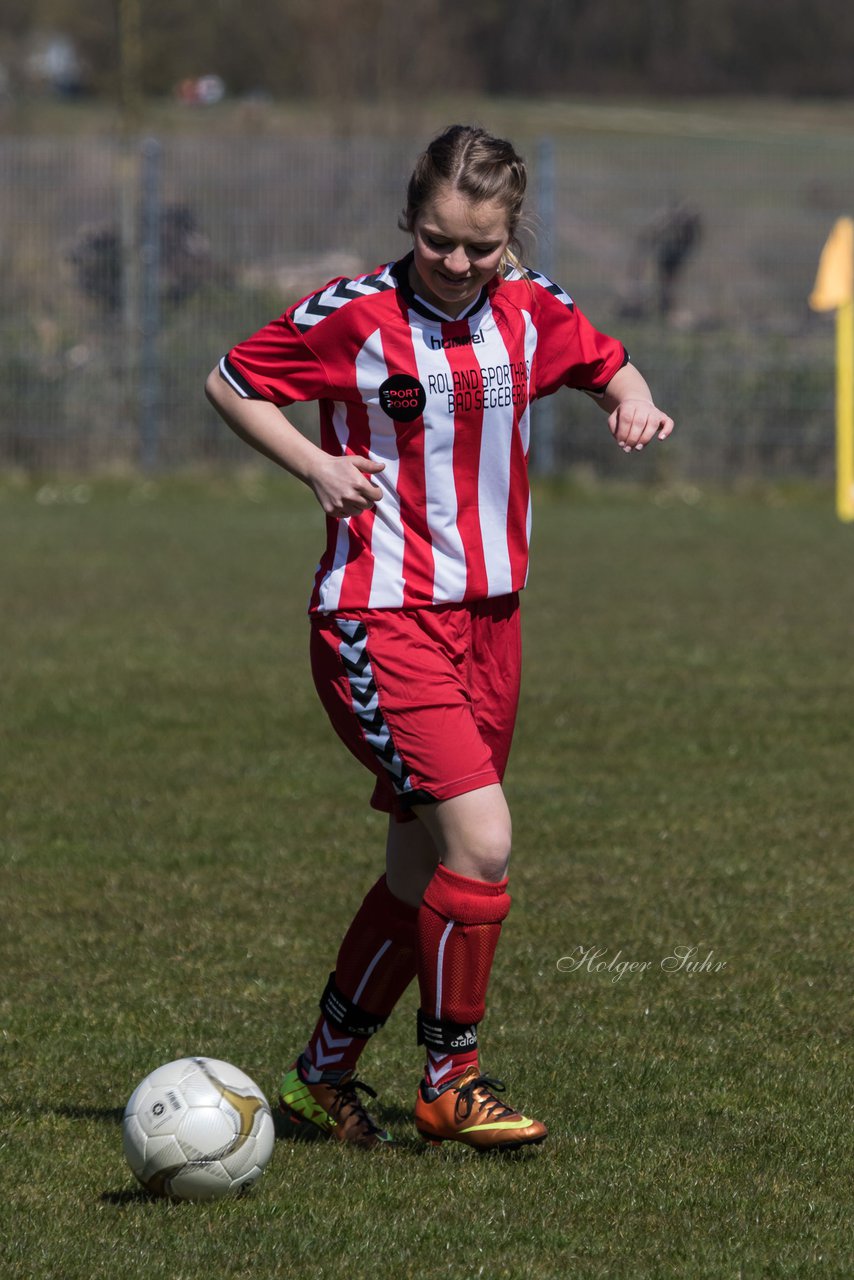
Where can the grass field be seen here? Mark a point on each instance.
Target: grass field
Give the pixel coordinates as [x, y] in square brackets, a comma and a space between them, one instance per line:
[181, 826]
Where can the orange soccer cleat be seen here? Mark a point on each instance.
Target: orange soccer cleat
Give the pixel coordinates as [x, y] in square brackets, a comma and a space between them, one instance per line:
[333, 1108]
[467, 1110]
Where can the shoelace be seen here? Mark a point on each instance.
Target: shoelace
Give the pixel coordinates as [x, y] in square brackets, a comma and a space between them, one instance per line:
[488, 1086]
[347, 1099]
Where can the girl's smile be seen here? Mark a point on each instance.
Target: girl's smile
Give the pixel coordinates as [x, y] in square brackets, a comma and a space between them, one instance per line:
[458, 246]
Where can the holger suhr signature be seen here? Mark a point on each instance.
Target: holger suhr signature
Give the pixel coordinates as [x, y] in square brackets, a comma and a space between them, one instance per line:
[682, 959]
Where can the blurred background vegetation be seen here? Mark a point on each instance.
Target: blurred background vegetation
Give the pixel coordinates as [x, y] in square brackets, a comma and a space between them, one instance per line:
[368, 49]
[687, 157]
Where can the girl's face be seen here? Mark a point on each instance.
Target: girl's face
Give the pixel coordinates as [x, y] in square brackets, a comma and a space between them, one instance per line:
[458, 246]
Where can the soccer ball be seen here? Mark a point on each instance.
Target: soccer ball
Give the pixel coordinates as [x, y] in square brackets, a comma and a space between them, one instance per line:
[197, 1129]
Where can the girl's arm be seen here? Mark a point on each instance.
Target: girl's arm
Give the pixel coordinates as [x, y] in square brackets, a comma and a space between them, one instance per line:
[342, 485]
[634, 420]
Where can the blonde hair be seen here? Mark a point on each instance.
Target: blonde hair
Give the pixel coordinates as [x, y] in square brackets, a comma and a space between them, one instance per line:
[479, 166]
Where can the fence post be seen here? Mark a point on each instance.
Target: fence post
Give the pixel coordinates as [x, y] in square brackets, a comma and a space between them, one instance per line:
[128, 213]
[149, 310]
[544, 451]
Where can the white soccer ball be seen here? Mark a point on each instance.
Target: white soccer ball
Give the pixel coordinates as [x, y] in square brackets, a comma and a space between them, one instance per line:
[197, 1129]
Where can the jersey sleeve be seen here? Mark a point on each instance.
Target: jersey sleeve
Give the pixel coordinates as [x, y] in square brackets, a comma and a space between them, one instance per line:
[570, 351]
[278, 364]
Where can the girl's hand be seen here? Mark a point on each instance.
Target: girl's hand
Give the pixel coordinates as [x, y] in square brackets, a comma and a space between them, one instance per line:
[635, 423]
[343, 486]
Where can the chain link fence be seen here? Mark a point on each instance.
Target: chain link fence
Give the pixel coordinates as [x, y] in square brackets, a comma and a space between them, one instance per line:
[128, 268]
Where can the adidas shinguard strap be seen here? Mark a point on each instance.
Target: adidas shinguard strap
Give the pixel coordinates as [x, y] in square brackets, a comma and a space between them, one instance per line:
[347, 1016]
[443, 1036]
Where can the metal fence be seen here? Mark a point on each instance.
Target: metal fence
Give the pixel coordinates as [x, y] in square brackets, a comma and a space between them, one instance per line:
[128, 268]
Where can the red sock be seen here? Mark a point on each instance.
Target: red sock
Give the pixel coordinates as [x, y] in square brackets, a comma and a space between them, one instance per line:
[458, 926]
[375, 965]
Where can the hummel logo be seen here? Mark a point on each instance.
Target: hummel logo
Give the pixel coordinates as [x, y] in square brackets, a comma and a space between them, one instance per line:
[463, 340]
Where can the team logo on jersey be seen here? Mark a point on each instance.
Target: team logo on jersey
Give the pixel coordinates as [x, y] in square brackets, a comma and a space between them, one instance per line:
[461, 340]
[402, 397]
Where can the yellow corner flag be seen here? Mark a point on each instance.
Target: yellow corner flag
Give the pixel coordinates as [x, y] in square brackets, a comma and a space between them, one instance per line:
[834, 291]
[834, 284]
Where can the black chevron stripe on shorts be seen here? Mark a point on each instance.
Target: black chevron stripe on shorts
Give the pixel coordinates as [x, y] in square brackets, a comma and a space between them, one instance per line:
[365, 698]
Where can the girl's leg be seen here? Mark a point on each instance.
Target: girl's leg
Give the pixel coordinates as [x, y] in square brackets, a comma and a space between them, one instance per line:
[472, 832]
[411, 860]
[459, 923]
[375, 964]
[377, 958]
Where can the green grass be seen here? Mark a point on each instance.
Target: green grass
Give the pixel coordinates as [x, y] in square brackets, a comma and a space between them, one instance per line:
[184, 840]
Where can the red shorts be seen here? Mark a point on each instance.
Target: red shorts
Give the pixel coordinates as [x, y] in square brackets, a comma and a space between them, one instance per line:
[426, 698]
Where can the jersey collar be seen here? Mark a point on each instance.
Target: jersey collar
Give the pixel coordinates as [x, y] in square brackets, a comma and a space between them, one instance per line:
[400, 271]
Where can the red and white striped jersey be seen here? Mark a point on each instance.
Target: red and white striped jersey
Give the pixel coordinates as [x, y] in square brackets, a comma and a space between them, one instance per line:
[445, 404]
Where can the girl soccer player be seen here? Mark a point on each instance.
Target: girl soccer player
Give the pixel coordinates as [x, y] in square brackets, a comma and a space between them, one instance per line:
[425, 370]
